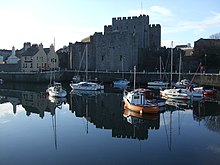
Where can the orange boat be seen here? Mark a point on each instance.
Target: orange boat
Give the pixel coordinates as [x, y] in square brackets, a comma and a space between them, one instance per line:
[139, 100]
[127, 112]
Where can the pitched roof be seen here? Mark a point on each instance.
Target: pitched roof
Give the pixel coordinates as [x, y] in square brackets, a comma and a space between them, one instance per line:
[31, 51]
[47, 50]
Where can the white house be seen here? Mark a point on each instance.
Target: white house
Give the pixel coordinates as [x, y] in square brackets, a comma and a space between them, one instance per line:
[36, 58]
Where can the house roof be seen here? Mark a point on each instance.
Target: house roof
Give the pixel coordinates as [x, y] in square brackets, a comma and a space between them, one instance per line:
[46, 50]
[31, 51]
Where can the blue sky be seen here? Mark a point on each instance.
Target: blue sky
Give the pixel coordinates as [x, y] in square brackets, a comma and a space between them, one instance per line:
[40, 21]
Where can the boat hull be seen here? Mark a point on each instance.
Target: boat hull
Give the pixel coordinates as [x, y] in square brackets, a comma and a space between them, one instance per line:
[152, 116]
[86, 86]
[141, 108]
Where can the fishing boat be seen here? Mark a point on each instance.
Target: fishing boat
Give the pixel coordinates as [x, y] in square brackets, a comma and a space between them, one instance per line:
[140, 100]
[128, 114]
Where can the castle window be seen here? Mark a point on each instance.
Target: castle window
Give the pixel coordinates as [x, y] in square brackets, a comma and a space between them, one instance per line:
[120, 57]
[31, 65]
[102, 58]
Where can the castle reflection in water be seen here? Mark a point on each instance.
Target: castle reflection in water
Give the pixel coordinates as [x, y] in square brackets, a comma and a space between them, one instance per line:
[106, 111]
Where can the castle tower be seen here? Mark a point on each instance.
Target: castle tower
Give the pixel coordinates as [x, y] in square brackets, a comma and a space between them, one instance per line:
[135, 25]
[155, 36]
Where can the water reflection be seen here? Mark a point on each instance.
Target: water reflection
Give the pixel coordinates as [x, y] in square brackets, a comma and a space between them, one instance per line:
[114, 134]
[208, 112]
[139, 124]
[105, 110]
[32, 102]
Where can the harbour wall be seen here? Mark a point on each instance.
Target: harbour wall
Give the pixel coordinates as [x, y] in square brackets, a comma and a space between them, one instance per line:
[108, 77]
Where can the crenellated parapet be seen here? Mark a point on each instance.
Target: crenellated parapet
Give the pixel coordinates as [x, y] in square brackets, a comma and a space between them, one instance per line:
[155, 26]
[107, 29]
[130, 18]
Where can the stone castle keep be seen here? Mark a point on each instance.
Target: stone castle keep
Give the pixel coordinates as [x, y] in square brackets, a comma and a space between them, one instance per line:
[119, 47]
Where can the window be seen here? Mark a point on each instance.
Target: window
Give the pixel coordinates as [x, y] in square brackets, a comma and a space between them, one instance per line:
[102, 58]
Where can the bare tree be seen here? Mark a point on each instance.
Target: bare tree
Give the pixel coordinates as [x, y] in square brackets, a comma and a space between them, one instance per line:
[215, 36]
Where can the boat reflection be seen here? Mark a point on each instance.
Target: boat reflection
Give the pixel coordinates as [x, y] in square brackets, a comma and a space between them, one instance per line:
[57, 100]
[106, 111]
[179, 104]
[139, 117]
[86, 92]
[140, 124]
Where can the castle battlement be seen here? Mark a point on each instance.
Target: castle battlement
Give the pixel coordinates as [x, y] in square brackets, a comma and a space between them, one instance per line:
[130, 18]
[154, 25]
[107, 26]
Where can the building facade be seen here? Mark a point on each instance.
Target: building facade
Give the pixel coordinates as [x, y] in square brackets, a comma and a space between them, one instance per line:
[118, 48]
[208, 53]
[36, 58]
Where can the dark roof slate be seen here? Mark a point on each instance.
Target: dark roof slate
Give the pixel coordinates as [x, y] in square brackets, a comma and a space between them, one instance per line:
[31, 51]
[47, 50]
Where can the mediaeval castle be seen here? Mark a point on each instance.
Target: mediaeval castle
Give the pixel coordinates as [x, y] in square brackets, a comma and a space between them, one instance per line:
[119, 47]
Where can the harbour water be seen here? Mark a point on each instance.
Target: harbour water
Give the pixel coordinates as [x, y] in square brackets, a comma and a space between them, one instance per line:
[93, 128]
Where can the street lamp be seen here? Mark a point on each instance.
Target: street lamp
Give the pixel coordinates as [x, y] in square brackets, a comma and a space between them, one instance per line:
[205, 61]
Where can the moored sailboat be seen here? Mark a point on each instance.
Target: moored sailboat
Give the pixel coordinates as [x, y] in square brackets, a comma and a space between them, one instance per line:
[86, 85]
[55, 89]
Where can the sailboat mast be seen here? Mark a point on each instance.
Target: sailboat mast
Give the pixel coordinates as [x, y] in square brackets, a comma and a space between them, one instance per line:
[160, 68]
[180, 65]
[122, 67]
[86, 62]
[54, 63]
[171, 64]
[134, 76]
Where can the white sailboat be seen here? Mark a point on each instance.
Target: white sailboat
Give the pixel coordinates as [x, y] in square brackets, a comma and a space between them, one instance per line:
[121, 82]
[86, 85]
[179, 93]
[55, 89]
[158, 84]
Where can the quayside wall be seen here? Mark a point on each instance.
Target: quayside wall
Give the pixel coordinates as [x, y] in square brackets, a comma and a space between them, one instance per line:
[108, 77]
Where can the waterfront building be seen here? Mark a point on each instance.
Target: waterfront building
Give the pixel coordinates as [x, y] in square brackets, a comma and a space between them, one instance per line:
[123, 41]
[37, 58]
[52, 58]
[207, 51]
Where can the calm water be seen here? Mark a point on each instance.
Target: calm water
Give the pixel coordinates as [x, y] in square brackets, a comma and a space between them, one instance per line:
[93, 129]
